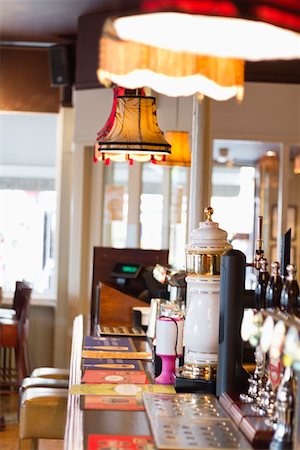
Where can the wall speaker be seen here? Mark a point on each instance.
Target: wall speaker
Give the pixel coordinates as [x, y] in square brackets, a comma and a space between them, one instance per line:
[61, 64]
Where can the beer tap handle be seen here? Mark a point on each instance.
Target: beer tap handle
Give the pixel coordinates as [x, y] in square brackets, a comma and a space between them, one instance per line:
[259, 253]
[208, 211]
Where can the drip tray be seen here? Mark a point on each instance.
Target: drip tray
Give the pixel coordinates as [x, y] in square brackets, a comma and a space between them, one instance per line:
[191, 421]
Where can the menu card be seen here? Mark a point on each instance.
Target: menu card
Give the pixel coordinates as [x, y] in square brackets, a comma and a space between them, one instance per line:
[114, 376]
[111, 442]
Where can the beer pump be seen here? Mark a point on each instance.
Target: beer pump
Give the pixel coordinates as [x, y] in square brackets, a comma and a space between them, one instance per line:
[203, 256]
[215, 304]
[234, 298]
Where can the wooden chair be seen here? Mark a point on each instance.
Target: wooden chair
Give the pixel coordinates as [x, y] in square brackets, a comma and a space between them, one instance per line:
[15, 310]
[14, 360]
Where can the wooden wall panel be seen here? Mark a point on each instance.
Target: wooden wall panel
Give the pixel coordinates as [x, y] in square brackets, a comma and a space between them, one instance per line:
[25, 81]
[104, 260]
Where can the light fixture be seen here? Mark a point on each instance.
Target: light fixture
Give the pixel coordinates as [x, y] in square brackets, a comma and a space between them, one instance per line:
[181, 151]
[223, 37]
[182, 47]
[269, 162]
[223, 155]
[109, 123]
[168, 72]
[297, 165]
[131, 132]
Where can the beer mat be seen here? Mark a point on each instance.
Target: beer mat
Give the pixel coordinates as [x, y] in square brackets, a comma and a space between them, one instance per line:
[120, 389]
[115, 376]
[111, 442]
[100, 354]
[121, 331]
[109, 343]
[112, 402]
[107, 364]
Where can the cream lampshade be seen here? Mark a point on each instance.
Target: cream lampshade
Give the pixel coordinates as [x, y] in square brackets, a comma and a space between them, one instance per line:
[132, 132]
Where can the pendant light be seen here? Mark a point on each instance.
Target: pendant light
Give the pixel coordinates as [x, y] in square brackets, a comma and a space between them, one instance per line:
[183, 47]
[171, 73]
[181, 151]
[247, 29]
[132, 132]
[296, 165]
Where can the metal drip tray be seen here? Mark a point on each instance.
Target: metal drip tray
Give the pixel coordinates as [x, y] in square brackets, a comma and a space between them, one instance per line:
[189, 406]
[191, 421]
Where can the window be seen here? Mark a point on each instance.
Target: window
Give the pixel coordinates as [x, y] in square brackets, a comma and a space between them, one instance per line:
[115, 205]
[233, 201]
[178, 216]
[28, 201]
[151, 206]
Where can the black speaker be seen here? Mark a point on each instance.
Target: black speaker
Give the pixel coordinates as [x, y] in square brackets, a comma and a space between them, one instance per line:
[61, 64]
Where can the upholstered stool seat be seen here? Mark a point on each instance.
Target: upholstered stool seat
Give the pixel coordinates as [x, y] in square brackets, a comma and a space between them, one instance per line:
[51, 372]
[31, 382]
[42, 414]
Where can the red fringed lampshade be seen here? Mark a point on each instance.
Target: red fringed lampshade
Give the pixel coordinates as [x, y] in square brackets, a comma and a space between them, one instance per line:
[131, 132]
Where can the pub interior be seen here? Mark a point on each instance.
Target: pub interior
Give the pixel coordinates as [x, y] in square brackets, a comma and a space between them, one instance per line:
[149, 290]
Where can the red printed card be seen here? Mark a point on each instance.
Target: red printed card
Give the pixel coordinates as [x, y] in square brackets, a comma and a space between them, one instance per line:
[110, 442]
[113, 402]
[114, 376]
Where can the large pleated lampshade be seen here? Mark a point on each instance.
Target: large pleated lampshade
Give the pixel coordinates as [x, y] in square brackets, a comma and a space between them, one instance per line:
[133, 133]
[168, 72]
[183, 47]
[246, 29]
[181, 151]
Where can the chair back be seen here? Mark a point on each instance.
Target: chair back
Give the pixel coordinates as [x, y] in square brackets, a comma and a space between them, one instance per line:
[22, 295]
[24, 299]
[14, 358]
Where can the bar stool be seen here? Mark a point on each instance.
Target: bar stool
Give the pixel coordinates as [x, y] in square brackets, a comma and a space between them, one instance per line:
[50, 372]
[42, 414]
[38, 382]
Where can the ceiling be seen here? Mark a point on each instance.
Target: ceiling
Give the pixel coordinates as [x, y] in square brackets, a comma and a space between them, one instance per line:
[49, 21]
[45, 22]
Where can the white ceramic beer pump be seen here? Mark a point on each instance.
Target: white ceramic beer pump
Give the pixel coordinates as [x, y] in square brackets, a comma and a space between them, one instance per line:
[201, 329]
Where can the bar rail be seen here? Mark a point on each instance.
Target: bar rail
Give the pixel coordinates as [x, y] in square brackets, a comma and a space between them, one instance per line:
[73, 439]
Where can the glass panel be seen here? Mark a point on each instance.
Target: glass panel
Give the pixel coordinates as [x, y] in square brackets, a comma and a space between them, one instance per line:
[293, 213]
[233, 200]
[115, 205]
[28, 201]
[178, 216]
[267, 192]
[27, 231]
[151, 209]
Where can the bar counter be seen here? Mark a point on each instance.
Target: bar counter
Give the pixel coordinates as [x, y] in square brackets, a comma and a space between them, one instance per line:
[207, 422]
[83, 423]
